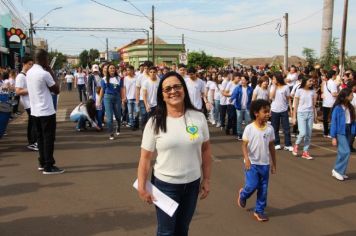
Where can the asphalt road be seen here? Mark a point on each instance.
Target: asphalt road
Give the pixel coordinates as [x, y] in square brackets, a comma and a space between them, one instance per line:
[95, 196]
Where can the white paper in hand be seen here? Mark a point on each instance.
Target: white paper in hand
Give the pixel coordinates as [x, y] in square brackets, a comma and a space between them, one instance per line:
[165, 203]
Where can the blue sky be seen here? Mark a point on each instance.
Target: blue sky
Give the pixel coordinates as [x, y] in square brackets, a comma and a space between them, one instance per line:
[305, 29]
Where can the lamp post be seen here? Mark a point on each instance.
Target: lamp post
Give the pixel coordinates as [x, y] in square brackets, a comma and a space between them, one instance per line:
[32, 24]
[106, 45]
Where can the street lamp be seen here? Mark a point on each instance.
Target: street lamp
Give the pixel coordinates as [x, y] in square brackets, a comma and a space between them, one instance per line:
[31, 30]
[106, 45]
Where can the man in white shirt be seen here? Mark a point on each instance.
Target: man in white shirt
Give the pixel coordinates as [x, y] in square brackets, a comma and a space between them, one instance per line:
[139, 92]
[292, 77]
[130, 91]
[69, 80]
[150, 88]
[196, 89]
[21, 90]
[40, 84]
[330, 92]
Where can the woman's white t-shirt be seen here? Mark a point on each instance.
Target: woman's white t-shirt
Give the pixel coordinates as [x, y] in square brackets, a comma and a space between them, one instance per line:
[80, 78]
[69, 78]
[179, 156]
[306, 100]
[280, 101]
[261, 93]
[329, 87]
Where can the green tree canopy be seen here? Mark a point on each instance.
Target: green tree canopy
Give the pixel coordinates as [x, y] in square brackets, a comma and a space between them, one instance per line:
[84, 58]
[60, 61]
[310, 56]
[204, 60]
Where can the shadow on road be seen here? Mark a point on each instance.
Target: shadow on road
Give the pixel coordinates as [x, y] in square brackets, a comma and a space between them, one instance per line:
[345, 233]
[11, 210]
[79, 224]
[22, 188]
[309, 207]
[100, 167]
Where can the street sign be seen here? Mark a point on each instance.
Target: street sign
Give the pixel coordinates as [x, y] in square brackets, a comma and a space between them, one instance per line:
[183, 58]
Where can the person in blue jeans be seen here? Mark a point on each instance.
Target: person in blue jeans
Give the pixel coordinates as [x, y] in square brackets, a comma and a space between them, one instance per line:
[304, 102]
[279, 94]
[242, 95]
[83, 113]
[342, 128]
[113, 93]
[258, 151]
[182, 169]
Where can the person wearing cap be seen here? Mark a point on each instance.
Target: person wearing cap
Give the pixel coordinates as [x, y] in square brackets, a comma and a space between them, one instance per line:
[93, 81]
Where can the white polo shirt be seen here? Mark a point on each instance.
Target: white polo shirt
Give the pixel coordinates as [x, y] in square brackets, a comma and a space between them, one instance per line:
[38, 83]
[195, 89]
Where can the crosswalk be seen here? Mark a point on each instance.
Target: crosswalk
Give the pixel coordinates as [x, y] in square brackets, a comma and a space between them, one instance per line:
[62, 115]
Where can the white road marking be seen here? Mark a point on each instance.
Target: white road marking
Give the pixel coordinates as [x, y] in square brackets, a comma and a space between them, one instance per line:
[215, 159]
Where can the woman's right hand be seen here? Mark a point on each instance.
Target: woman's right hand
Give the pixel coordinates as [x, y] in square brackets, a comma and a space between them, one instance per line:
[146, 196]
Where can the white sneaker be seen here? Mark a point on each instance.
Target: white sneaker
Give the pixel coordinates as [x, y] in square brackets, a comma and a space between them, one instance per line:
[111, 137]
[277, 147]
[337, 175]
[218, 125]
[345, 176]
[117, 132]
[288, 148]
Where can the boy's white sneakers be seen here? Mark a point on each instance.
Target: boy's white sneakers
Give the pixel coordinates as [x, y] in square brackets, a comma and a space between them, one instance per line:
[337, 175]
[277, 147]
[288, 148]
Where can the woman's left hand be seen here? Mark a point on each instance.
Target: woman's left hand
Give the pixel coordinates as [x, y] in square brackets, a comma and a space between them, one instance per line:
[204, 189]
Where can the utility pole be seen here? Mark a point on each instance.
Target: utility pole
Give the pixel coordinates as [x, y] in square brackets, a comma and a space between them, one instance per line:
[148, 45]
[107, 49]
[183, 45]
[31, 34]
[327, 26]
[286, 42]
[153, 35]
[343, 38]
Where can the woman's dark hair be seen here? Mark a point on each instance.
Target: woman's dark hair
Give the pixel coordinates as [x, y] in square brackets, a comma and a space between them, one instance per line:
[341, 100]
[160, 115]
[280, 78]
[304, 82]
[91, 109]
[257, 105]
[108, 74]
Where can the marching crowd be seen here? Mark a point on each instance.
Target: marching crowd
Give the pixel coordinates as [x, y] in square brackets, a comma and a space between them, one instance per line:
[249, 103]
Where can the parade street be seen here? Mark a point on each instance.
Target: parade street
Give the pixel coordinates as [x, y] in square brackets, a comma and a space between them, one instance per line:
[95, 195]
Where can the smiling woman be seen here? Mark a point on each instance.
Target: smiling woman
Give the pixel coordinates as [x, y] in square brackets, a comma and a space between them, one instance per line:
[180, 135]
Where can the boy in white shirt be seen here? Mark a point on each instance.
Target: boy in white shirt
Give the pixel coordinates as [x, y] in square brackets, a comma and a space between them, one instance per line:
[130, 91]
[258, 151]
[150, 87]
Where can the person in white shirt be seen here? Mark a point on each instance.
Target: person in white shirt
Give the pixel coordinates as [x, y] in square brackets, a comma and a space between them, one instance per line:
[292, 78]
[130, 91]
[21, 90]
[179, 134]
[196, 89]
[83, 113]
[149, 88]
[305, 101]
[40, 84]
[69, 80]
[79, 82]
[223, 99]
[231, 112]
[262, 90]
[139, 92]
[279, 95]
[329, 94]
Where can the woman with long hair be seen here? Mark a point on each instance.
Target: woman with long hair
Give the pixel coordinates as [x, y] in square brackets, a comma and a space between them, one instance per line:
[279, 95]
[341, 130]
[304, 105]
[179, 133]
[112, 91]
[83, 113]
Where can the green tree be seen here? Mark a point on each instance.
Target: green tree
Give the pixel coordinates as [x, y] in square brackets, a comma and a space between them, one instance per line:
[84, 58]
[61, 59]
[310, 56]
[93, 54]
[204, 60]
[331, 56]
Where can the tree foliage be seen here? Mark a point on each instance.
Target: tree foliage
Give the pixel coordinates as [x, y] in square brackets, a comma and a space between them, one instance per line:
[331, 56]
[310, 56]
[84, 58]
[204, 60]
[60, 61]
[93, 54]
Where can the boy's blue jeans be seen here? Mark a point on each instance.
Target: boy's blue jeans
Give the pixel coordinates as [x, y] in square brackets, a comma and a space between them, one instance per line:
[112, 107]
[276, 119]
[132, 110]
[256, 178]
[343, 151]
[186, 195]
[242, 115]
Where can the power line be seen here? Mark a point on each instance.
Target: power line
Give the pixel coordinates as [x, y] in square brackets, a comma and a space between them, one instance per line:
[308, 16]
[19, 21]
[188, 29]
